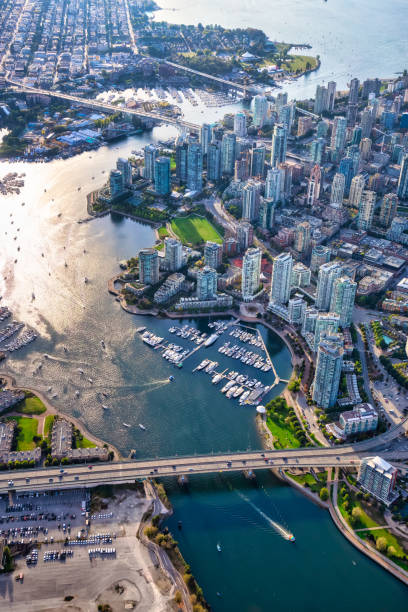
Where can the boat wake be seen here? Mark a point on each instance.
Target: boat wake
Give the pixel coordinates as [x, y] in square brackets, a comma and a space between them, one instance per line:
[279, 529]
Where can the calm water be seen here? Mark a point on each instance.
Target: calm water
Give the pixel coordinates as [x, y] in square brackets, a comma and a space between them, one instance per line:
[193, 417]
[257, 569]
[354, 38]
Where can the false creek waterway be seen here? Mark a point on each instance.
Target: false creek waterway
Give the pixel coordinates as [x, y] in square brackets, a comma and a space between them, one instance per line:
[257, 569]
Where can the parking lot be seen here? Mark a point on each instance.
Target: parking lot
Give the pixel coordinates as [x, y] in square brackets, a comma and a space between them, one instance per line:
[67, 557]
[42, 517]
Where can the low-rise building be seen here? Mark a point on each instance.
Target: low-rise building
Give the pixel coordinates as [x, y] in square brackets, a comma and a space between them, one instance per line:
[194, 303]
[363, 418]
[171, 287]
[10, 398]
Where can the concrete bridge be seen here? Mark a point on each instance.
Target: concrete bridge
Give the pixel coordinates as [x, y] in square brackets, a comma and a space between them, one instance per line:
[81, 475]
[99, 105]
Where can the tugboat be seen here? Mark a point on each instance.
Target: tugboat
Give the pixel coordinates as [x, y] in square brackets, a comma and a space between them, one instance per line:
[171, 378]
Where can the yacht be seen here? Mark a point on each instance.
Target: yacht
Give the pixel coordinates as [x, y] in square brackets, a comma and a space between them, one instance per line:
[244, 397]
[216, 379]
[231, 391]
[227, 386]
[239, 392]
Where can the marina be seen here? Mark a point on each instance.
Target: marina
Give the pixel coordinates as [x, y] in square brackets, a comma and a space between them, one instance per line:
[235, 384]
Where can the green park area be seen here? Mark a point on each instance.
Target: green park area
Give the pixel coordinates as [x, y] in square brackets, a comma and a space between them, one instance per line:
[284, 425]
[27, 430]
[163, 233]
[49, 422]
[31, 405]
[356, 511]
[195, 230]
[309, 481]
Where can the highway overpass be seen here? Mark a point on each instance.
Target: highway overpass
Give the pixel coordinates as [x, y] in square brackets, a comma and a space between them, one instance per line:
[81, 475]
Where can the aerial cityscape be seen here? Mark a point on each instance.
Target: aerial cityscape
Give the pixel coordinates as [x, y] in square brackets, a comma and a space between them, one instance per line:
[203, 305]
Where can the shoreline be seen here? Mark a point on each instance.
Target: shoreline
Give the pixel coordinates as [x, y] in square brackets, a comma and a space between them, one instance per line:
[391, 567]
[52, 410]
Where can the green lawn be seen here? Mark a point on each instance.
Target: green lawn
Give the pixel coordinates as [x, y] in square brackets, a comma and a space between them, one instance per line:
[367, 521]
[28, 431]
[284, 425]
[49, 420]
[310, 480]
[163, 233]
[195, 230]
[31, 405]
[84, 443]
[282, 435]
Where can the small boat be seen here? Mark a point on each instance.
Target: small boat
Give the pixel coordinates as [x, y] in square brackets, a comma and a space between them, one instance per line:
[80, 371]
[102, 344]
[142, 427]
[33, 296]
[180, 524]
[171, 378]
[292, 538]
[86, 280]
[77, 393]
[105, 394]
[105, 407]
[90, 380]
[126, 425]
[219, 547]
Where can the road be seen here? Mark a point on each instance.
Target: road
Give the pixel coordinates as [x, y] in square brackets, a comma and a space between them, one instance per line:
[76, 476]
[97, 104]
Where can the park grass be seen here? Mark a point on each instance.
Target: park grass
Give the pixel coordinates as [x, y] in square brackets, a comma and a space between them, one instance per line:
[160, 246]
[31, 405]
[368, 522]
[49, 421]
[195, 230]
[28, 428]
[283, 436]
[309, 480]
[299, 63]
[163, 233]
[84, 443]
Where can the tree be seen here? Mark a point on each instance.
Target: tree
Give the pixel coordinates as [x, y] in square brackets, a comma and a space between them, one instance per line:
[324, 494]
[7, 560]
[391, 552]
[381, 544]
[178, 598]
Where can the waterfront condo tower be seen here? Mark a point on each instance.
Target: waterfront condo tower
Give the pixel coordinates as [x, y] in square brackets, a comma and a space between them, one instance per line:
[281, 278]
[328, 372]
[148, 266]
[251, 271]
